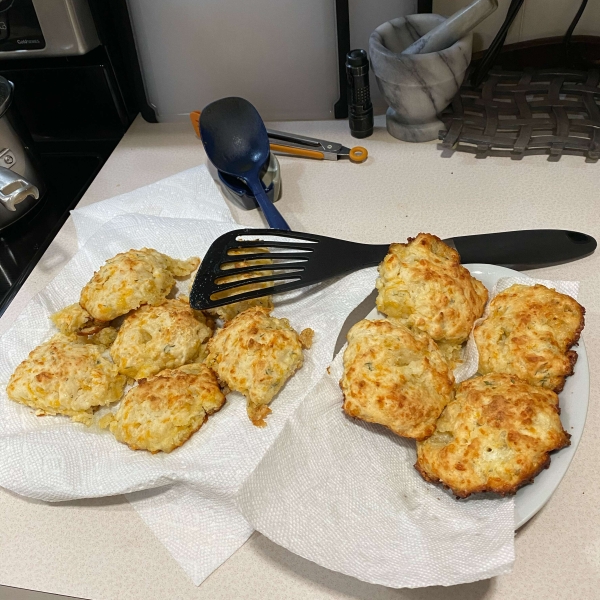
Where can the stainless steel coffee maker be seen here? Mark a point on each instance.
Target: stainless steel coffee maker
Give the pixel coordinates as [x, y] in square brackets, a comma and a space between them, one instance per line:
[21, 185]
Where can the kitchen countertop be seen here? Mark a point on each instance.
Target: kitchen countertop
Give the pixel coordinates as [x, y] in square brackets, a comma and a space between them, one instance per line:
[101, 549]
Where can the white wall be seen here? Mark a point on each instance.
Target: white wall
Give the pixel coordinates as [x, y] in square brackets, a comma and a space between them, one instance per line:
[280, 54]
[536, 19]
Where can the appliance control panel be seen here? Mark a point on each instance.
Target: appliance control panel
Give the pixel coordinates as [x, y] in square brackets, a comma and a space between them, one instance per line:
[19, 26]
[46, 27]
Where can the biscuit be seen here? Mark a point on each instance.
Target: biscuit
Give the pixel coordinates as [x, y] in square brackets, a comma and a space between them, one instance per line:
[528, 333]
[495, 436]
[67, 377]
[154, 338]
[131, 279]
[162, 412]
[395, 377]
[255, 354]
[75, 320]
[422, 285]
[105, 336]
[72, 319]
[229, 311]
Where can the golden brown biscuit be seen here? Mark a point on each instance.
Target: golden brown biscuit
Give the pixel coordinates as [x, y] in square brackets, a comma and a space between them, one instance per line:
[67, 377]
[255, 354]
[422, 285]
[105, 336]
[528, 333]
[154, 338]
[72, 319]
[131, 279]
[75, 320]
[494, 437]
[395, 377]
[161, 413]
[229, 311]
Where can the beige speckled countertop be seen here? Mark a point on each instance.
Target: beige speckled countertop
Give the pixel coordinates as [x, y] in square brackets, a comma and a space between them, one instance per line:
[101, 549]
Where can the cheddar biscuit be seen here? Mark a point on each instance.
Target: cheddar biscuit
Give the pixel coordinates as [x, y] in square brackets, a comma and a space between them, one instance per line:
[67, 377]
[131, 279]
[395, 377]
[162, 412]
[495, 436]
[528, 333]
[255, 354]
[154, 338]
[76, 321]
[422, 285]
[72, 319]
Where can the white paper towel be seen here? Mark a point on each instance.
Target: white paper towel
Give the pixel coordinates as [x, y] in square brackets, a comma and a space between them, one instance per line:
[345, 494]
[191, 194]
[53, 459]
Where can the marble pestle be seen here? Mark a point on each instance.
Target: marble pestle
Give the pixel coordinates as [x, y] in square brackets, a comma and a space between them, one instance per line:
[453, 28]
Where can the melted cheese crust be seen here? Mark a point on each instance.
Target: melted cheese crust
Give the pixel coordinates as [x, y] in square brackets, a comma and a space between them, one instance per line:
[255, 354]
[131, 279]
[395, 377]
[422, 285]
[495, 436]
[529, 333]
[154, 338]
[68, 377]
[161, 413]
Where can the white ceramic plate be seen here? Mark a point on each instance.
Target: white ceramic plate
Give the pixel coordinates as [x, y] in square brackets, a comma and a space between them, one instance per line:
[573, 405]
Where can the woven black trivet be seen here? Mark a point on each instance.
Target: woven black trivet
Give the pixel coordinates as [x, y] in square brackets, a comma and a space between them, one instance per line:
[516, 114]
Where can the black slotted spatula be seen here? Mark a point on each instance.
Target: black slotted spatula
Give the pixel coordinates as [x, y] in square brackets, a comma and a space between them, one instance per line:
[302, 259]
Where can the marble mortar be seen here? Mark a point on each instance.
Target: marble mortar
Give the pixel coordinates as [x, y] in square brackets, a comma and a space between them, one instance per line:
[417, 87]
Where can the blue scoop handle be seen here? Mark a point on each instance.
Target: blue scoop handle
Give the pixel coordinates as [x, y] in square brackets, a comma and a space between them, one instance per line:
[274, 218]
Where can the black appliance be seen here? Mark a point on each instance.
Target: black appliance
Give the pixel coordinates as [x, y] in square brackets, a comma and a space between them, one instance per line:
[76, 106]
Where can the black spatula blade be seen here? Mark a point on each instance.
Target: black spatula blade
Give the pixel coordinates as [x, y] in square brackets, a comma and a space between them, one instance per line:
[298, 260]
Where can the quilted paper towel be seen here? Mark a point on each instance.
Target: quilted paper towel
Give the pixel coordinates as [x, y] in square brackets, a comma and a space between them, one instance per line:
[53, 459]
[191, 194]
[344, 494]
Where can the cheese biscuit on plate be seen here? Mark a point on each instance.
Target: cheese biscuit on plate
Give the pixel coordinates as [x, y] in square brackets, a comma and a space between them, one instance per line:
[395, 377]
[528, 333]
[495, 436]
[422, 285]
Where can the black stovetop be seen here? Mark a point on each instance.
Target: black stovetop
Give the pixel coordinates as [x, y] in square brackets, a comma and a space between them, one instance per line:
[67, 175]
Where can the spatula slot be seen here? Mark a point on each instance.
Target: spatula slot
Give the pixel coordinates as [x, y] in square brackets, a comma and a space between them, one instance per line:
[243, 290]
[276, 256]
[267, 236]
[254, 273]
[238, 249]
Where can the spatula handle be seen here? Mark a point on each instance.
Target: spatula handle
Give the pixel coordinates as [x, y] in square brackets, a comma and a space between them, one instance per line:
[274, 219]
[522, 250]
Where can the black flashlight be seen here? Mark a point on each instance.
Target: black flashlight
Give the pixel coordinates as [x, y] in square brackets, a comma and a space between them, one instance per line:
[360, 109]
